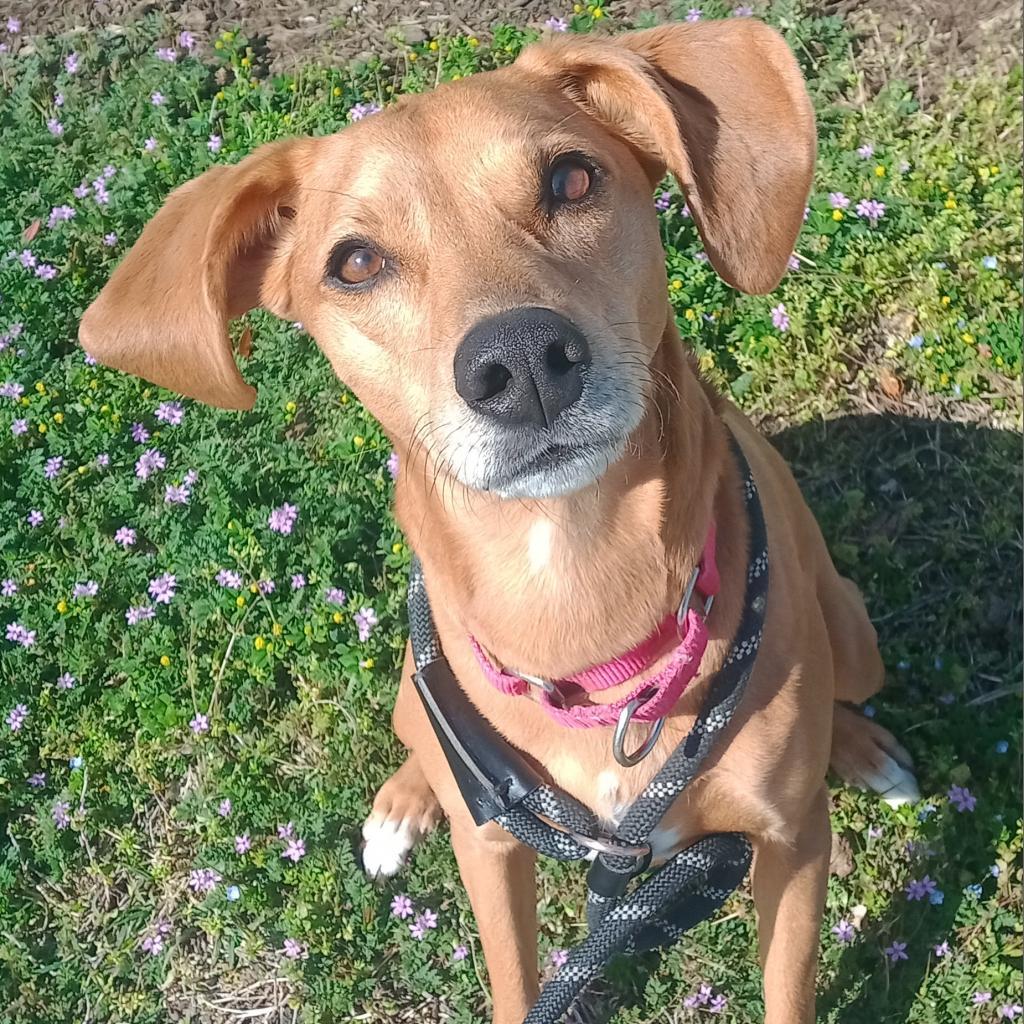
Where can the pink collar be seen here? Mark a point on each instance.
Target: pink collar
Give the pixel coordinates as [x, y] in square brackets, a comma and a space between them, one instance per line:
[657, 695]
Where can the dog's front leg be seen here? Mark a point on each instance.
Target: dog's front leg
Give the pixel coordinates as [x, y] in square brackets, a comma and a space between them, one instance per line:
[789, 892]
[498, 873]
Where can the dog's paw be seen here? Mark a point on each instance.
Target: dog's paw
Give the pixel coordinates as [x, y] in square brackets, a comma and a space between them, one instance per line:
[869, 757]
[404, 811]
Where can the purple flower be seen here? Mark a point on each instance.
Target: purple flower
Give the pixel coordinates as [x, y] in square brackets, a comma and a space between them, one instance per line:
[866, 151]
[295, 850]
[459, 953]
[150, 144]
[54, 127]
[214, 143]
[718, 1004]
[191, 477]
[16, 717]
[103, 459]
[663, 202]
[19, 427]
[224, 808]
[422, 924]
[872, 210]
[11, 389]
[18, 634]
[980, 998]
[285, 831]
[157, 99]
[34, 518]
[71, 63]
[282, 519]
[295, 950]
[167, 53]
[558, 957]
[361, 110]
[27, 258]
[896, 952]
[61, 814]
[140, 435]
[186, 40]
[694, 14]
[962, 798]
[90, 588]
[110, 239]
[392, 465]
[401, 906]
[149, 462]
[919, 890]
[844, 931]
[229, 578]
[125, 536]
[298, 581]
[335, 595]
[243, 844]
[8, 588]
[365, 619]
[838, 201]
[162, 588]
[743, 12]
[171, 413]
[53, 467]
[109, 171]
[556, 25]
[942, 949]
[203, 880]
[266, 586]
[81, 191]
[780, 318]
[176, 494]
[1010, 1011]
[13, 26]
[60, 213]
[200, 723]
[37, 780]
[66, 681]
[139, 613]
[46, 271]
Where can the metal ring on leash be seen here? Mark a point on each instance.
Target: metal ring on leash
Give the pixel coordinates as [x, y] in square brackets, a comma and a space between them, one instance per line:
[619, 739]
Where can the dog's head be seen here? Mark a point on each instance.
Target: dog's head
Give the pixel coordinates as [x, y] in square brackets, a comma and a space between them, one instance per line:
[482, 264]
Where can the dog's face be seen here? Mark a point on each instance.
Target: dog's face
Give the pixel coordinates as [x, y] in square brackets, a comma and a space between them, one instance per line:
[481, 265]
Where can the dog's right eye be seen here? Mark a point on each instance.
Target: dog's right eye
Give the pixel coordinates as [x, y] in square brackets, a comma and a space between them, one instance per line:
[355, 263]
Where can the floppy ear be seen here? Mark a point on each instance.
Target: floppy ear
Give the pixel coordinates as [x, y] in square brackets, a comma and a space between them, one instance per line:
[723, 106]
[207, 256]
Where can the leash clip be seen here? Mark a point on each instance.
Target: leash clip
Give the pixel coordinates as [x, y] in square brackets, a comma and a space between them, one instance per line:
[629, 760]
[684, 604]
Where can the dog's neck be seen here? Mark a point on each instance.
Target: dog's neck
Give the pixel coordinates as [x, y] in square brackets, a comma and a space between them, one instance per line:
[550, 587]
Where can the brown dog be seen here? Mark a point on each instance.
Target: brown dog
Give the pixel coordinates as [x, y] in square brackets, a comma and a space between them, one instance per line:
[482, 267]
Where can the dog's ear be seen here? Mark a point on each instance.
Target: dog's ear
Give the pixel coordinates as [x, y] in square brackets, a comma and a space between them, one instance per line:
[207, 256]
[722, 105]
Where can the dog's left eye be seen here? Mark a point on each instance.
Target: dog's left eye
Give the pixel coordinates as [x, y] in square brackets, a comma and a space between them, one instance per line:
[355, 263]
[570, 180]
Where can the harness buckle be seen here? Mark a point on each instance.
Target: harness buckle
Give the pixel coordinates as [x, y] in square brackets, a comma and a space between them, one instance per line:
[629, 760]
[553, 692]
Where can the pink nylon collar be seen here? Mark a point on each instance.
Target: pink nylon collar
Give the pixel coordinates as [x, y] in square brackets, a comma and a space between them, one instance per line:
[659, 693]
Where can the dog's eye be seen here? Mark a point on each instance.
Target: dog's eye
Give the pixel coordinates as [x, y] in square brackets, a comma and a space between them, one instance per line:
[355, 263]
[570, 180]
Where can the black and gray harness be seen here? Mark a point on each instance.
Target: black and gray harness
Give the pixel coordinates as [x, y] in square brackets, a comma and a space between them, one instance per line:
[499, 784]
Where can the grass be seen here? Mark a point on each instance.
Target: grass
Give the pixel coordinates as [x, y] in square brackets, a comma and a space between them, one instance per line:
[100, 917]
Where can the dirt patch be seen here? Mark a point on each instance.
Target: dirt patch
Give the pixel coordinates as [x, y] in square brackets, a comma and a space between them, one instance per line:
[919, 40]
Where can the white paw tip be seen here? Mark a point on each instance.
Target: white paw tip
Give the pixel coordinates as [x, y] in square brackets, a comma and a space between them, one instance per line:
[899, 786]
[387, 845]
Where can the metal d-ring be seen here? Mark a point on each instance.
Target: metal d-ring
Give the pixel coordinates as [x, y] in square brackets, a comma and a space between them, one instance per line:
[619, 739]
[684, 603]
[553, 692]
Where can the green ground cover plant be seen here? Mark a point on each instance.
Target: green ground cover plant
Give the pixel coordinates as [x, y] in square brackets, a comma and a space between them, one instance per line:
[202, 612]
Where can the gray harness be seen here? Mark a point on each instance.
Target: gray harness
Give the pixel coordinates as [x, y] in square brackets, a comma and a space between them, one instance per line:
[499, 784]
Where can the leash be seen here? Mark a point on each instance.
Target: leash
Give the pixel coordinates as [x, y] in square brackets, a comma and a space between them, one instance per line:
[499, 784]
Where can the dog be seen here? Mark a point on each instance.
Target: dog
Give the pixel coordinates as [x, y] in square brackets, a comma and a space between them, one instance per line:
[482, 266]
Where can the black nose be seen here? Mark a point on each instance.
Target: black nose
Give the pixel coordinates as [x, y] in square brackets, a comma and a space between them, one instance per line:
[524, 366]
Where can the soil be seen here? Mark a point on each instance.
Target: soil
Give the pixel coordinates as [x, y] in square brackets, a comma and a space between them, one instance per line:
[921, 40]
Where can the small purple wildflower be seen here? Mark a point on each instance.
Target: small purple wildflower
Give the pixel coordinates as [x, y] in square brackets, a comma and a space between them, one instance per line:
[186, 40]
[285, 831]
[844, 932]
[19, 427]
[200, 723]
[422, 924]
[743, 11]
[125, 536]
[1010, 1011]
[54, 127]
[282, 520]
[780, 318]
[224, 808]
[18, 634]
[694, 14]
[157, 99]
[298, 581]
[232, 893]
[214, 143]
[872, 210]
[162, 588]
[558, 957]
[103, 459]
[962, 798]
[60, 213]
[12, 389]
[171, 413]
[896, 952]
[838, 201]
[37, 780]
[295, 850]
[663, 202]
[8, 588]
[139, 433]
[110, 239]
[718, 1004]
[61, 814]
[459, 953]
[46, 271]
[295, 950]
[243, 844]
[392, 465]
[150, 145]
[190, 478]
[13, 26]
[866, 151]
[942, 949]
[16, 717]
[53, 467]
[266, 587]
[139, 613]
[66, 681]
[556, 25]
[176, 494]
[203, 880]
[335, 595]
[919, 890]
[365, 619]
[90, 588]
[230, 579]
[361, 110]
[167, 53]
[34, 518]
[27, 258]
[71, 63]
[149, 462]
[401, 906]
[980, 998]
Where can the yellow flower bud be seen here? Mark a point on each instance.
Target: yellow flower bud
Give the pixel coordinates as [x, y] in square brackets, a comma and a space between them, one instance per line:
[164, 660]
[359, 440]
[276, 629]
[62, 606]
[42, 428]
[259, 643]
[240, 601]
[337, 616]
[879, 171]
[58, 417]
[676, 285]
[396, 548]
[837, 214]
